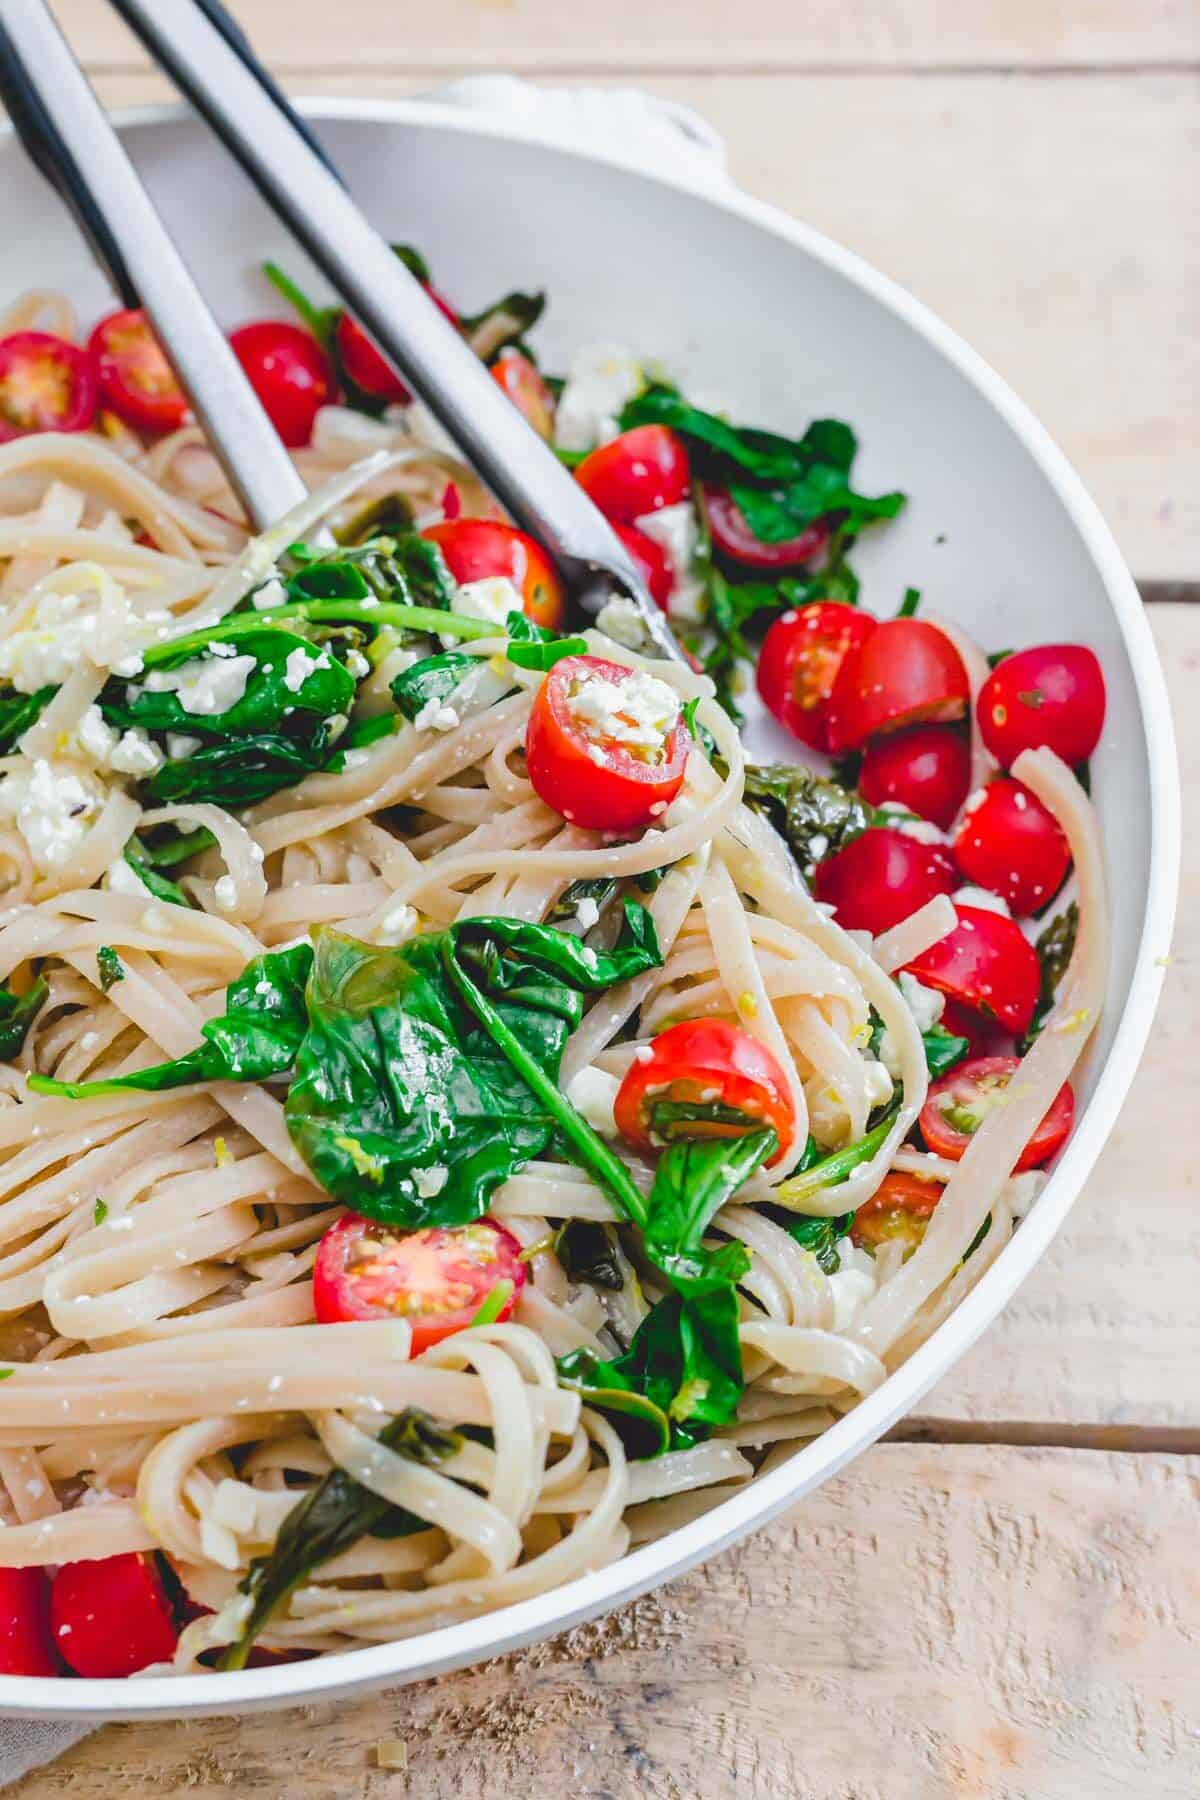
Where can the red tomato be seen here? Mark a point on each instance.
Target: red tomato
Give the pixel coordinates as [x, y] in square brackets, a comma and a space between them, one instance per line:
[46, 384]
[960, 1102]
[435, 1278]
[1052, 694]
[799, 661]
[650, 561]
[26, 1646]
[732, 536]
[639, 472]
[136, 380]
[366, 366]
[477, 548]
[709, 1065]
[905, 673]
[901, 1207]
[588, 776]
[959, 1021]
[112, 1617]
[1012, 845]
[985, 964]
[927, 769]
[289, 372]
[882, 877]
[519, 378]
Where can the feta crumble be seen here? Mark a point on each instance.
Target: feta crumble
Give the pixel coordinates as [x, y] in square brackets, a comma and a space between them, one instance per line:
[601, 379]
[52, 805]
[638, 712]
[204, 686]
[436, 716]
[982, 898]
[492, 598]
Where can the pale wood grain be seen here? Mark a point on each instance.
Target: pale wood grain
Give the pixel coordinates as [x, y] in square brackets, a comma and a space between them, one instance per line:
[1107, 1330]
[542, 35]
[939, 1622]
[1051, 220]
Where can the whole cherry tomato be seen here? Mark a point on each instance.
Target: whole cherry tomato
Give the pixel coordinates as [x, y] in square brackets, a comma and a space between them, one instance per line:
[477, 548]
[605, 746]
[46, 384]
[638, 473]
[136, 380]
[704, 1078]
[1052, 694]
[959, 1103]
[799, 661]
[1012, 845]
[289, 372]
[732, 536]
[437, 1278]
[986, 965]
[881, 877]
[926, 769]
[906, 672]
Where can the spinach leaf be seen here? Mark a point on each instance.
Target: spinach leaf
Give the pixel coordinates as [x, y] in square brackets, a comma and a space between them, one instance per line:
[532, 646]
[807, 807]
[429, 1072]
[291, 690]
[943, 1049]
[161, 886]
[18, 712]
[17, 1013]
[816, 1234]
[390, 515]
[588, 1253]
[331, 1518]
[600, 888]
[238, 773]
[434, 678]
[837, 1167]
[110, 967]
[166, 848]
[257, 1035]
[1055, 947]
[406, 569]
[506, 321]
[642, 1425]
[781, 484]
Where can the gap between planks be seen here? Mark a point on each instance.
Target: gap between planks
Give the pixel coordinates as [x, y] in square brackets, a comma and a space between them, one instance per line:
[1049, 1434]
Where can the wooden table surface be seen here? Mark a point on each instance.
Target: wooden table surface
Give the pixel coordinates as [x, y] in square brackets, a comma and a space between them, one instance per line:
[1007, 1604]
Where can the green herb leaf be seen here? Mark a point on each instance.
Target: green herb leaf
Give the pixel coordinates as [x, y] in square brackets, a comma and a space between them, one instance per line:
[819, 1235]
[506, 321]
[330, 1519]
[587, 1251]
[532, 646]
[17, 1013]
[167, 847]
[99, 1212]
[943, 1050]
[910, 603]
[18, 712]
[110, 967]
[600, 888]
[257, 1035]
[161, 886]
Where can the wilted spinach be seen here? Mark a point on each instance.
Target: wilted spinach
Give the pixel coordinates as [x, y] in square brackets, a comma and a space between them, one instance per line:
[1055, 946]
[17, 1013]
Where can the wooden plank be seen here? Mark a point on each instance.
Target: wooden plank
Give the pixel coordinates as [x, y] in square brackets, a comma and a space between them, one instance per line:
[1012, 218]
[543, 35]
[1106, 1329]
[938, 1622]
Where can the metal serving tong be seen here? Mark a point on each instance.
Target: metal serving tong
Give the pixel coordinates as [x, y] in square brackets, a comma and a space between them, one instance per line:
[67, 134]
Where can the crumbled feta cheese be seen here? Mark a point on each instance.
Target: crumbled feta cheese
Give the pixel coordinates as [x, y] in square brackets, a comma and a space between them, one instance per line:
[357, 665]
[436, 716]
[180, 746]
[675, 530]
[492, 598]
[587, 912]
[271, 593]
[205, 685]
[430, 1182]
[593, 1093]
[299, 666]
[397, 924]
[925, 1004]
[601, 379]
[60, 633]
[52, 804]
[135, 754]
[638, 712]
[128, 753]
[225, 893]
[977, 896]
[620, 619]
[853, 1283]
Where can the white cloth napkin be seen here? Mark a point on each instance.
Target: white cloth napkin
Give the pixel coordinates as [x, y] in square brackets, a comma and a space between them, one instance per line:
[657, 133]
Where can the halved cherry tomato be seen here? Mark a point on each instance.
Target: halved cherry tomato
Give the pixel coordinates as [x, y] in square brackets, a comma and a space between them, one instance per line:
[901, 1207]
[650, 560]
[136, 380]
[732, 536]
[112, 1616]
[46, 384]
[584, 771]
[983, 1037]
[26, 1645]
[1052, 694]
[959, 1103]
[519, 378]
[799, 661]
[1014, 846]
[435, 1278]
[726, 1081]
[289, 372]
[927, 769]
[905, 673]
[639, 472]
[881, 877]
[476, 548]
[985, 964]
